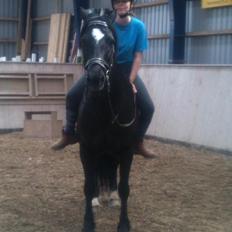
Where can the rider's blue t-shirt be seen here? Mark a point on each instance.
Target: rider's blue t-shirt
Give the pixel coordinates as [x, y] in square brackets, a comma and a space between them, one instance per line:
[131, 38]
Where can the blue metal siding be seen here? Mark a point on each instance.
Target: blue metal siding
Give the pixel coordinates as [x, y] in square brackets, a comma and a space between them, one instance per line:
[40, 29]
[8, 29]
[214, 19]
[9, 8]
[43, 8]
[157, 52]
[211, 49]
[208, 49]
[156, 19]
[100, 4]
[8, 50]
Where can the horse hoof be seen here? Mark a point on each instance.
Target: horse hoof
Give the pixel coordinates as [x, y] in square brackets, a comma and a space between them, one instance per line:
[124, 227]
[88, 229]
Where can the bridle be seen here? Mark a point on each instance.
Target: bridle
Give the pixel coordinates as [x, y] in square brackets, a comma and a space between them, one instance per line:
[94, 21]
[107, 70]
[99, 61]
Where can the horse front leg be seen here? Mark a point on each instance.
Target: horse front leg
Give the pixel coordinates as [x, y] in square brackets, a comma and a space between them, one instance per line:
[124, 190]
[114, 200]
[89, 224]
[89, 191]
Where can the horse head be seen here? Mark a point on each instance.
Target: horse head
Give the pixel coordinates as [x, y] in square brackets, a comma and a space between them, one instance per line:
[98, 46]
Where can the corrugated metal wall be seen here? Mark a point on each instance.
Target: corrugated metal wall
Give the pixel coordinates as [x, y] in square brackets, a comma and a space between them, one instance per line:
[214, 48]
[209, 34]
[9, 12]
[155, 15]
[41, 12]
[156, 19]
[208, 37]
[100, 3]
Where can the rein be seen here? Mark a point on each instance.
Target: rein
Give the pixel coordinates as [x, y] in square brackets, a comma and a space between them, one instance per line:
[115, 116]
[107, 69]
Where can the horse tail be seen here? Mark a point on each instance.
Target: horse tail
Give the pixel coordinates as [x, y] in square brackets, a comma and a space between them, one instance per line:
[107, 173]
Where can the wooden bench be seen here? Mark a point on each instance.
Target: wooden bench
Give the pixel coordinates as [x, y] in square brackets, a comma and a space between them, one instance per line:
[42, 128]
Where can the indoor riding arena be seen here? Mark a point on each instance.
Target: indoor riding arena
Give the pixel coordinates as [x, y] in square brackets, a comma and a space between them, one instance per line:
[187, 70]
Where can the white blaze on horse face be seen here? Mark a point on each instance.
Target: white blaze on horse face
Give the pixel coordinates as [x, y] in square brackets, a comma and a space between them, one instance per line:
[97, 34]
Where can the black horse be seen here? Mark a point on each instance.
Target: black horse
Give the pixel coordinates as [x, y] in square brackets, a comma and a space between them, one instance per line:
[106, 116]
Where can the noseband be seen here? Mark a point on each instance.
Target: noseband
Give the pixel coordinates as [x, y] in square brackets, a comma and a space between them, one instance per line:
[100, 62]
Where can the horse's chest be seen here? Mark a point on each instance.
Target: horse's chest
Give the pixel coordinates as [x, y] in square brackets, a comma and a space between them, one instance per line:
[108, 137]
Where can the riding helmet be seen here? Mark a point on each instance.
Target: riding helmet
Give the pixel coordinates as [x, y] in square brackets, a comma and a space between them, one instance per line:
[112, 2]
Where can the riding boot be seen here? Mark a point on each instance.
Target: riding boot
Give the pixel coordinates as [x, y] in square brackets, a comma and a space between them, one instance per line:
[141, 150]
[69, 136]
[65, 140]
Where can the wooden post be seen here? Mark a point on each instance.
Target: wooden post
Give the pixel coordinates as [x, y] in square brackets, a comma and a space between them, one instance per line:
[26, 43]
[58, 37]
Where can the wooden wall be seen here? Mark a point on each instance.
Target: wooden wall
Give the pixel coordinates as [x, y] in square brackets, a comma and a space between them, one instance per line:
[33, 87]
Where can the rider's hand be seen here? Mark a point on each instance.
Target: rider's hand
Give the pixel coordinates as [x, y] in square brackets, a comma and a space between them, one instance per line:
[134, 88]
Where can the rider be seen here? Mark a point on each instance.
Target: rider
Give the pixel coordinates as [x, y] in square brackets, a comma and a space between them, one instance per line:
[131, 42]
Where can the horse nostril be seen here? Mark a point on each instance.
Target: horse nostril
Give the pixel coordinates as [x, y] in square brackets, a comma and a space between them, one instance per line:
[93, 79]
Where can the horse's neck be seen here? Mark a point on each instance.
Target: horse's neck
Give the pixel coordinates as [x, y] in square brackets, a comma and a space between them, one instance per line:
[94, 110]
[98, 111]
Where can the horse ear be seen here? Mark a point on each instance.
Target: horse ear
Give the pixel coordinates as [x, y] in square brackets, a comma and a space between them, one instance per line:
[85, 12]
[111, 15]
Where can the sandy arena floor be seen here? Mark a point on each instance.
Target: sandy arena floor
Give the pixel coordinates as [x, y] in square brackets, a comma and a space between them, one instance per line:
[184, 190]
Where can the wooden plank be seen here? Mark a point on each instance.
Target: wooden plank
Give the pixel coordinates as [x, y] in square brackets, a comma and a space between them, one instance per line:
[39, 127]
[26, 43]
[66, 35]
[60, 48]
[15, 85]
[161, 36]
[208, 33]
[53, 37]
[215, 3]
[58, 37]
[50, 85]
